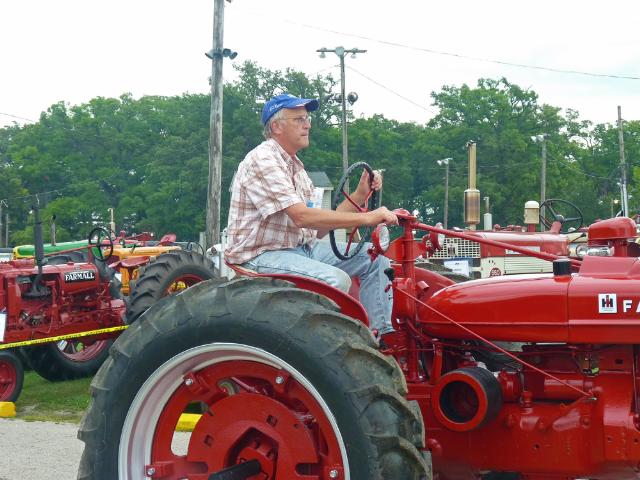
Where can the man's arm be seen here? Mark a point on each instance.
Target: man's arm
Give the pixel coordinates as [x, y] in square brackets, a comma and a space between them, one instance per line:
[325, 220]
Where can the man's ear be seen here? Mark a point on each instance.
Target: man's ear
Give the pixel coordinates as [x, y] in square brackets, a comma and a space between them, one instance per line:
[275, 127]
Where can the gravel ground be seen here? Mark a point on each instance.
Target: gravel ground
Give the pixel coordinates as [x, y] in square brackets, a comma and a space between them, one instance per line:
[38, 450]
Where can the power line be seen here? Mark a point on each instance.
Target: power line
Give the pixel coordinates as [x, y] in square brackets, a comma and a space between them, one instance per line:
[463, 56]
[84, 183]
[579, 170]
[18, 117]
[395, 93]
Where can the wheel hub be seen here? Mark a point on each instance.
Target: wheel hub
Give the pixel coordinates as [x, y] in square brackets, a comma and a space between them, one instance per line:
[254, 412]
[249, 426]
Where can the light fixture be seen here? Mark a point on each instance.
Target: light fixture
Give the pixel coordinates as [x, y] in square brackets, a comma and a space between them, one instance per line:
[225, 52]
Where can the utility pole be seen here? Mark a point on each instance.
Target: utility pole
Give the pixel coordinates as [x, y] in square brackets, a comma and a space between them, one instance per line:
[623, 168]
[445, 162]
[216, 55]
[341, 52]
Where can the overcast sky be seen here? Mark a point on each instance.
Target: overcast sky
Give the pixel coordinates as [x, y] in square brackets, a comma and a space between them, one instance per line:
[75, 50]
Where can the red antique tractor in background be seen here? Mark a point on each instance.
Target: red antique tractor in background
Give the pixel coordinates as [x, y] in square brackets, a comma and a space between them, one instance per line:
[61, 314]
[515, 377]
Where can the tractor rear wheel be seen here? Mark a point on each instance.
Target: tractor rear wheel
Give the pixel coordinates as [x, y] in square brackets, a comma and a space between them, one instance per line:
[164, 275]
[11, 376]
[289, 388]
[71, 359]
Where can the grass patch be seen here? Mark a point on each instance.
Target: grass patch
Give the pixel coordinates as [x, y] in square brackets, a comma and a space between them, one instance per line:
[52, 401]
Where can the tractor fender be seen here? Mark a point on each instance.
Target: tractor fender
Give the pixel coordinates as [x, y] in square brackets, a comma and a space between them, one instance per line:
[347, 304]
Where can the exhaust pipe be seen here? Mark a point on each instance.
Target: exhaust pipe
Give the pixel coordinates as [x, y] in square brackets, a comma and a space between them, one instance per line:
[472, 194]
[37, 290]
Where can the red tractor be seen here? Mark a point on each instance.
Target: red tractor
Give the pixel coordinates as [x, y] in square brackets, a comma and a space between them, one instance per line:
[60, 315]
[530, 377]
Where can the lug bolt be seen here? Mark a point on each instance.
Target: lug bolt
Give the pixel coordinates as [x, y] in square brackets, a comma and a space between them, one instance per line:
[188, 382]
[151, 472]
[333, 473]
[279, 379]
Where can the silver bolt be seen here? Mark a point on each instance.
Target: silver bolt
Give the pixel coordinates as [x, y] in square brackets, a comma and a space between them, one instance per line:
[188, 382]
[333, 473]
[279, 380]
[151, 472]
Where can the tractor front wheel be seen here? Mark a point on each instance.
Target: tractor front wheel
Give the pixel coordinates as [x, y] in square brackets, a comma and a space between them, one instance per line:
[288, 389]
[11, 376]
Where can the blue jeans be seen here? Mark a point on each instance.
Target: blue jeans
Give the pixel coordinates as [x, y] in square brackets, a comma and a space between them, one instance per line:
[320, 263]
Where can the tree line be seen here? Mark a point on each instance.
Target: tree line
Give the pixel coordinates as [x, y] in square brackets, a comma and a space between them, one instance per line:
[147, 158]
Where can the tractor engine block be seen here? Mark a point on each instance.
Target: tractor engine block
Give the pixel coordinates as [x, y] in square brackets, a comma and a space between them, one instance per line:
[575, 413]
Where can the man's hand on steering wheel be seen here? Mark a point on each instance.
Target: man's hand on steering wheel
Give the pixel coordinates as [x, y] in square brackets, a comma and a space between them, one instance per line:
[366, 183]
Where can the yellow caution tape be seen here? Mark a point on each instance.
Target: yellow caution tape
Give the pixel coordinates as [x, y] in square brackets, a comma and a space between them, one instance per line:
[69, 336]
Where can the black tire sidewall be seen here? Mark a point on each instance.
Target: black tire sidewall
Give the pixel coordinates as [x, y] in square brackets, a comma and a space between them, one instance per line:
[51, 363]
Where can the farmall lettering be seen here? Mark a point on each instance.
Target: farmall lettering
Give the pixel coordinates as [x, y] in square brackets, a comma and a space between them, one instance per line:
[79, 276]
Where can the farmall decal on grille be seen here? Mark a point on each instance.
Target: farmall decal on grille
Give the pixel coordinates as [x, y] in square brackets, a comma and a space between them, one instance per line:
[607, 303]
[79, 276]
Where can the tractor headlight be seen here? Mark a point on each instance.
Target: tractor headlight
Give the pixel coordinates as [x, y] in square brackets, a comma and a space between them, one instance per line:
[582, 250]
[601, 251]
[380, 238]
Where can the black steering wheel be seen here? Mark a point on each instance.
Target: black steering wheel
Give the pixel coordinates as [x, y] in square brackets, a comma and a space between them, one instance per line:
[370, 203]
[554, 206]
[100, 237]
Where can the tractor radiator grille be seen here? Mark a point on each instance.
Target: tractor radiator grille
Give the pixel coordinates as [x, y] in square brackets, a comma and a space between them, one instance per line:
[522, 264]
[458, 247]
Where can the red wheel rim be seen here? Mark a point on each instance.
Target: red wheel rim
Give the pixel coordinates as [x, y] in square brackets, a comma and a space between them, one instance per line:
[8, 379]
[254, 411]
[79, 351]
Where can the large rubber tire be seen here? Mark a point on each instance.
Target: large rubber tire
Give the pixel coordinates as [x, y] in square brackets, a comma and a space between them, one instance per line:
[155, 280]
[69, 360]
[11, 376]
[357, 394]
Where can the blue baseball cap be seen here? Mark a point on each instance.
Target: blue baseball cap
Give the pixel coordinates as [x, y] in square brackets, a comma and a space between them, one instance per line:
[285, 100]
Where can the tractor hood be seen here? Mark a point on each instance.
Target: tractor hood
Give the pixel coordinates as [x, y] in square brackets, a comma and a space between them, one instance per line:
[599, 304]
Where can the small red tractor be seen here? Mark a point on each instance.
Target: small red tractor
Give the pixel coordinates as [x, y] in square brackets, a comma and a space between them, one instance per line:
[530, 377]
[479, 260]
[60, 315]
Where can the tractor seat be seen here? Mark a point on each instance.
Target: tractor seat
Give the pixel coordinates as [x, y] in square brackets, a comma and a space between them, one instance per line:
[348, 305]
[243, 271]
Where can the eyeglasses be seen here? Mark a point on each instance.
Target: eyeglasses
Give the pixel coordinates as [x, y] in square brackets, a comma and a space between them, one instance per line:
[300, 120]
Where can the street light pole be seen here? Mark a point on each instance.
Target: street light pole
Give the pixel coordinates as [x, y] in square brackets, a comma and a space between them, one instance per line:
[445, 162]
[341, 52]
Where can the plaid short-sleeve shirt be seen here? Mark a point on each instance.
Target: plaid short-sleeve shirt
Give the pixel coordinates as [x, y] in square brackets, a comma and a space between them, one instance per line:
[268, 181]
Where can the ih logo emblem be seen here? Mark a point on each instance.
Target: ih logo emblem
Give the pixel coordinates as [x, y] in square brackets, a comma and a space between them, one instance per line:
[607, 303]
